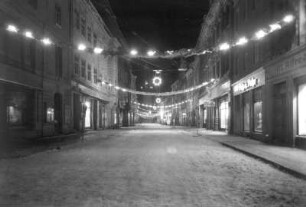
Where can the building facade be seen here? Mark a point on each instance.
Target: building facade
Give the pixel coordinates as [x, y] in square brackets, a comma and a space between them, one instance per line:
[94, 103]
[34, 75]
[214, 100]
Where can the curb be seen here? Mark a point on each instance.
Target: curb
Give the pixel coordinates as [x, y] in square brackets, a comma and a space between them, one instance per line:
[268, 161]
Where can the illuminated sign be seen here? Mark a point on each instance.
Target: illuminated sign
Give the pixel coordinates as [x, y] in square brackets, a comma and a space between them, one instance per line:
[252, 81]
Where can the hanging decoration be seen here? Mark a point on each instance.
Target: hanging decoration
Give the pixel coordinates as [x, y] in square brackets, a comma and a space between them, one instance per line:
[170, 54]
[158, 100]
[157, 81]
[164, 106]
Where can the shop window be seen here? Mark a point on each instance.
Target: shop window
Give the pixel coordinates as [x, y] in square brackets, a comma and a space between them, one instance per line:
[302, 110]
[50, 115]
[15, 116]
[205, 116]
[20, 109]
[246, 112]
[87, 114]
[257, 116]
[224, 115]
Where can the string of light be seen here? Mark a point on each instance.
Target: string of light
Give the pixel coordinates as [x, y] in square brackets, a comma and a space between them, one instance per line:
[164, 106]
[259, 34]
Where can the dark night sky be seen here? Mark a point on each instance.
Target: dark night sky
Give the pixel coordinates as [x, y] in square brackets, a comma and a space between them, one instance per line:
[160, 25]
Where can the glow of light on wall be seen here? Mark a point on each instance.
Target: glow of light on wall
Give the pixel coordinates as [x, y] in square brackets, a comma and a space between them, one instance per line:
[46, 41]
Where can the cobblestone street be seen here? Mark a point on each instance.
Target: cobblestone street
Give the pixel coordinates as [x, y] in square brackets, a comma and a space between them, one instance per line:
[149, 165]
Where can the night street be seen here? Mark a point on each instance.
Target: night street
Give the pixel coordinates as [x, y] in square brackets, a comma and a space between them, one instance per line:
[148, 165]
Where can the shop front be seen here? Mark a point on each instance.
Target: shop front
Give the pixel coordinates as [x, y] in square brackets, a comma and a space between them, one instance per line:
[248, 105]
[214, 107]
[286, 81]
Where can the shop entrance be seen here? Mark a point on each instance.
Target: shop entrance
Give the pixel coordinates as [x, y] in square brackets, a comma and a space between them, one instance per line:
[58, 112]
[279, 113]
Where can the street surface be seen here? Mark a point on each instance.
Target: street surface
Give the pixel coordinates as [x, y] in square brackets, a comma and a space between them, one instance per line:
[149, 165]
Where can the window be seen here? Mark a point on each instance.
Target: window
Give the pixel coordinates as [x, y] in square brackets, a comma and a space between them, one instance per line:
[95, 40]
[83, 68]
[33, 3]
[224, 115]
[58, 61]
[83, 26]
[89, 72]
[58, 15]
[246, 112]
[49, 114]
[30, 49]
[89, 34]
[302, 110]
[15, 116]
[76, 65]
[257, 110]
[77, 20]
[95, 75]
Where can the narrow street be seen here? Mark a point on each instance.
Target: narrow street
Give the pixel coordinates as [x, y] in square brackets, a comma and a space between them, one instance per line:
[149, 165]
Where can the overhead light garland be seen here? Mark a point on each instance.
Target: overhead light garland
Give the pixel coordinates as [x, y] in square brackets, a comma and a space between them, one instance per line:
[170, 54]
[164, 106]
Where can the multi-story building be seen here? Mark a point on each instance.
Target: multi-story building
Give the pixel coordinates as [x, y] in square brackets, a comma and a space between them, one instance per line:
[259, 97]
[34, 72]
[93, 101]
[214, 68]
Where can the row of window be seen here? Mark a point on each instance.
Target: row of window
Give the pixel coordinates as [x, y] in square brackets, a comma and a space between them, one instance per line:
[86, 31]
[80, 69]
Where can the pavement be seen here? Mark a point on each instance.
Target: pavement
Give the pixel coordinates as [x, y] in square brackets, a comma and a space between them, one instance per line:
[288, 159]
[21, 147]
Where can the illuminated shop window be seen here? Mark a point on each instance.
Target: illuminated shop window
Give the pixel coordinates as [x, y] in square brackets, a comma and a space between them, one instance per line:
[224, 115]
[14, 116]
[302, 110]
[50, 115]
[257, 110]
[246, 112]
[88, 114]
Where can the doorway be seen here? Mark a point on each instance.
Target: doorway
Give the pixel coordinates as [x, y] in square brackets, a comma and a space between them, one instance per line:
[279, 115]
[58, 100]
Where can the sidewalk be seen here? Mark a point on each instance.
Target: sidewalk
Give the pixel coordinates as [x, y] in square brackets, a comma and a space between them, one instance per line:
[22, 148]
[291, 160]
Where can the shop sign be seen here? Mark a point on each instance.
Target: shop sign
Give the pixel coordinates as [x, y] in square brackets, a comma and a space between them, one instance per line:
[250, 82]
[289, 64]
[209, 104]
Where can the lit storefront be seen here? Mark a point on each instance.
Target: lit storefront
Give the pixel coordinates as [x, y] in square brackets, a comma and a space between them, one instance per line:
[286, 80]
[248, 105]
[214, 107]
